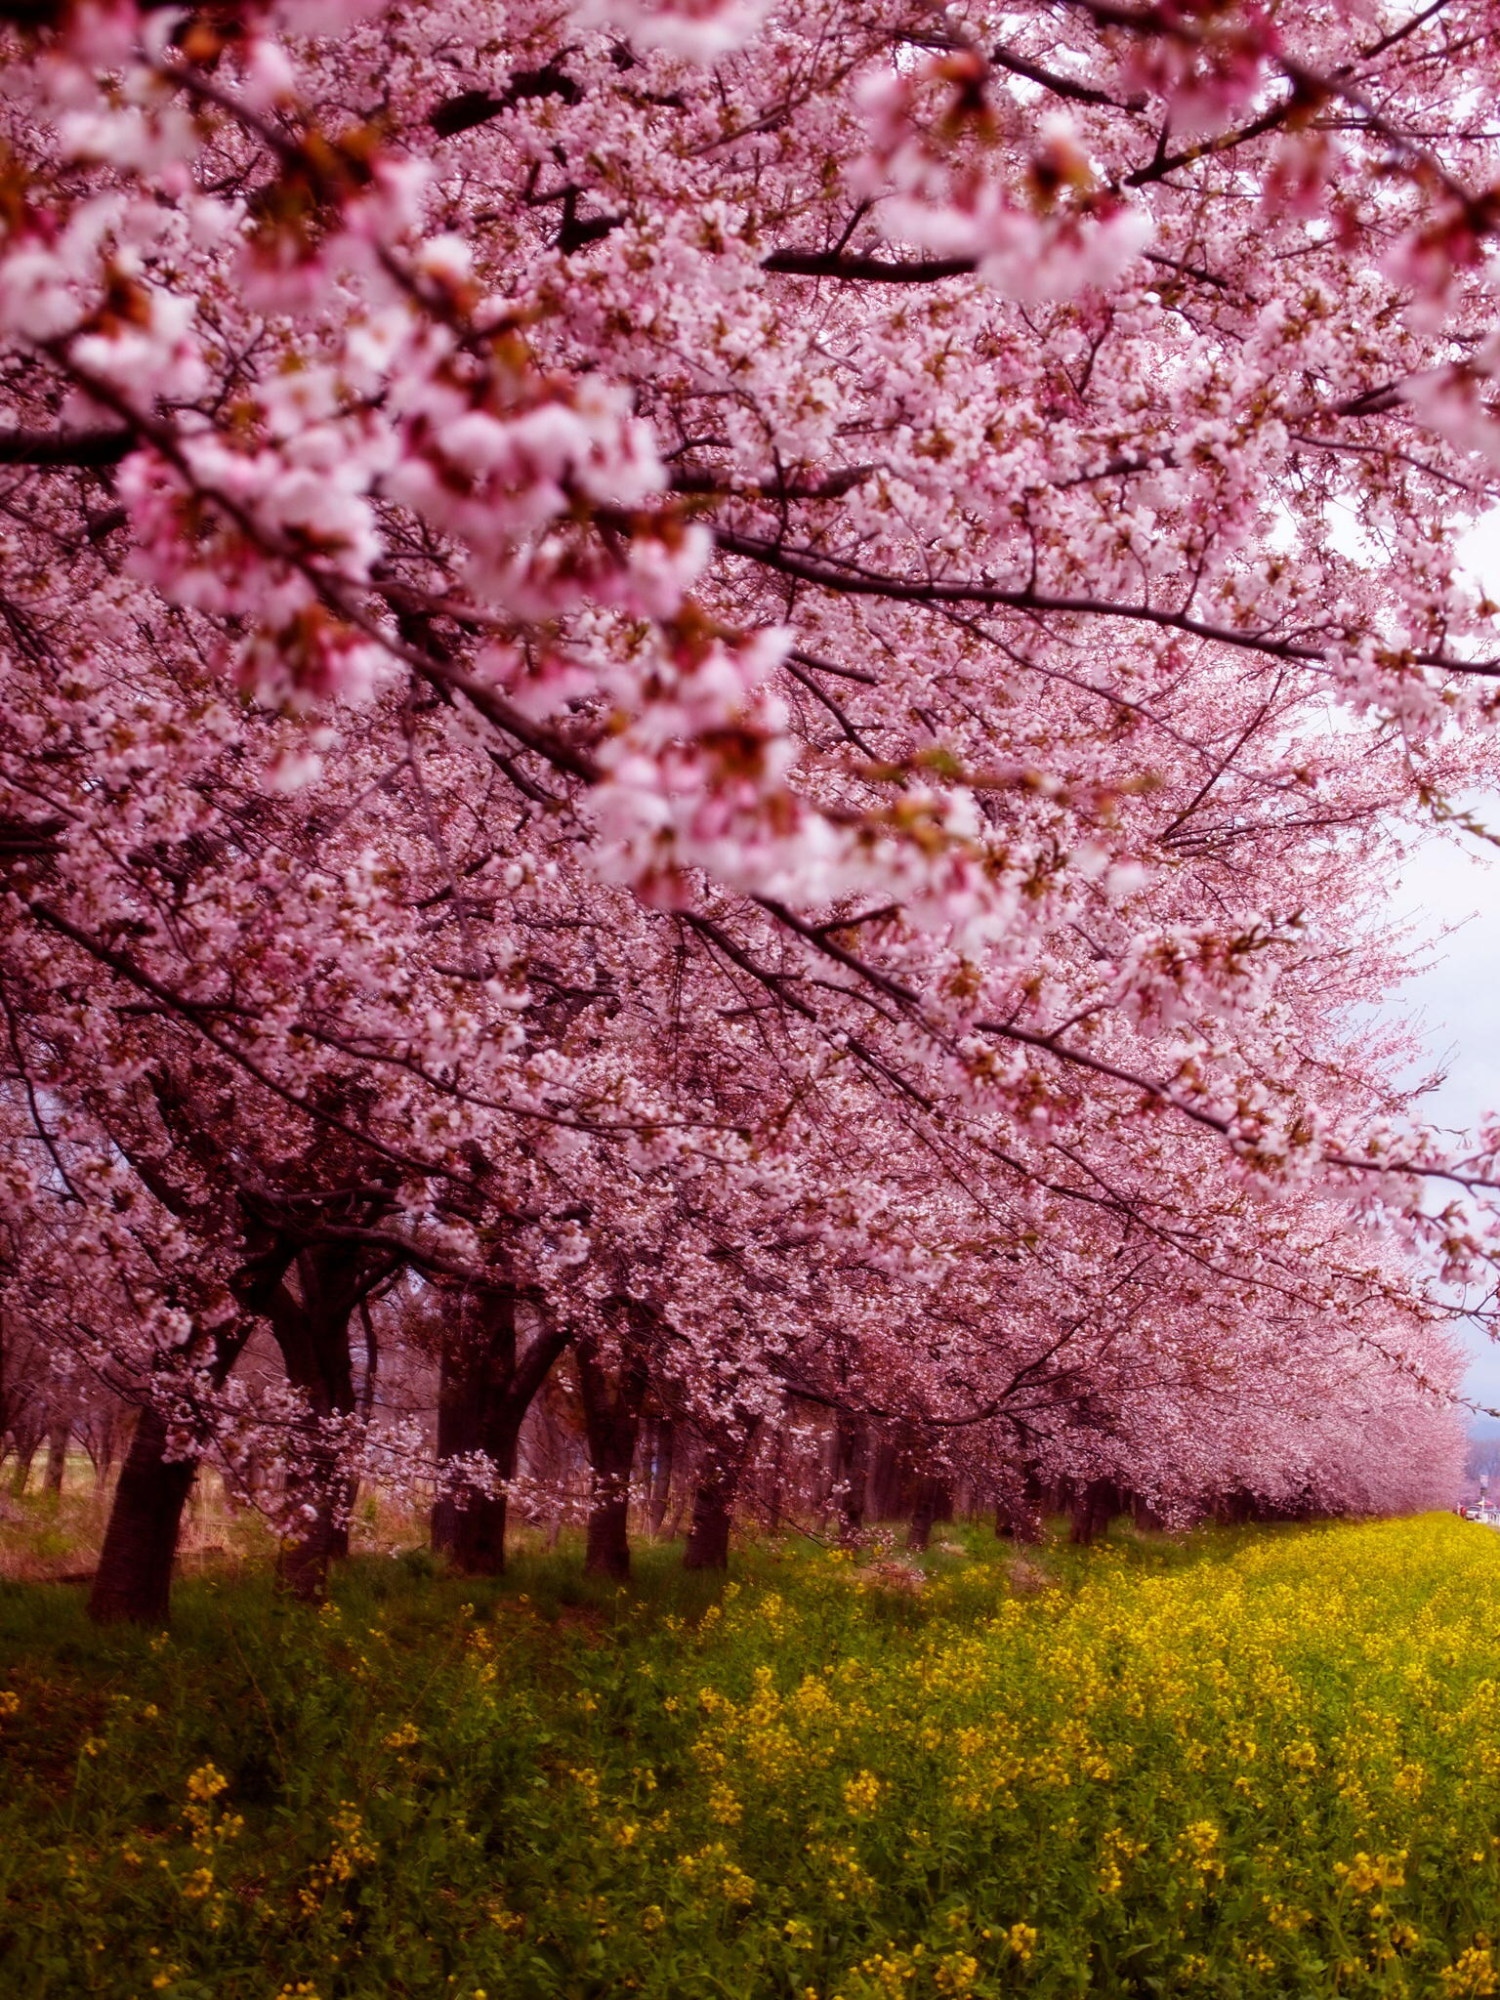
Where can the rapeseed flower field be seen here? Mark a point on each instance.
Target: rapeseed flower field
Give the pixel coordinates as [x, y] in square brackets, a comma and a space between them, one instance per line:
[1258, 1763]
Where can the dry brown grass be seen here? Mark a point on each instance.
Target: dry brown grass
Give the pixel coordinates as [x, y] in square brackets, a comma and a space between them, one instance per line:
[56, 1538]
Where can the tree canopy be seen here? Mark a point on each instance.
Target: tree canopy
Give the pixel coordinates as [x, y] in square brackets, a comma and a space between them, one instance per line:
[724, 696]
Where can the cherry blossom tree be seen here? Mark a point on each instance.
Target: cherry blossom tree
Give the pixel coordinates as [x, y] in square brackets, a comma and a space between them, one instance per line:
[745, 680]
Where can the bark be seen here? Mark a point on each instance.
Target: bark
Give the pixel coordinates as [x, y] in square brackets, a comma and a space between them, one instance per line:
[612, 1403]
[1094, 1507]
[607, 1549]
[102, 1443]
[934, 1503]
[8, 1413]
[681, 1508]
[851, 1473]
[311, 1327]
[708, 1537]
[133, 1582]
[25, 1452]
[343, 1495]
[825, 1481]
[346, 1489]
[776, 1490]
[883, 1500]
[1016, 1521]
[485, 1386]
[57, 1459]
[134, 1578]
[1018, 1512]
[719, 1479]
[662, 1453]
[468, 1524]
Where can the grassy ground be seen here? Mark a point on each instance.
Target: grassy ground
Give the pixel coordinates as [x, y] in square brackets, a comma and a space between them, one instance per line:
[47, 1537]
[1256, 1763]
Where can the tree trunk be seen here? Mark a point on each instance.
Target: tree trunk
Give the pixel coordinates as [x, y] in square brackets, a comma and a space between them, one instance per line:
[883, 1498]
[607, 1550]
[1094, 1507]
[851, 1474]
[133, 1582]
[777, 1486]
[934, 1503]
[312, 1331]
[708, 1537]
[1018, 1511]
[134, 1578]
[345, 1493]
[468, 1524]
[5, 1410]
[663, 1451]
[105, 1447]
[824, 1493]
[348, 1488]
[311, 1540]
[306, 1553]
[1016, 1521]
[611, 1425]
[485, 1387]
[57, 1459]
[719, 1478]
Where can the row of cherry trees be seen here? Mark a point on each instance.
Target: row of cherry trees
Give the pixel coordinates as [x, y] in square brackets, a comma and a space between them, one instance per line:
[717, 702]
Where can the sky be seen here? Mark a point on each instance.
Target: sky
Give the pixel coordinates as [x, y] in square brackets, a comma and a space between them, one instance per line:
[1456, 1002]
[1454, 885]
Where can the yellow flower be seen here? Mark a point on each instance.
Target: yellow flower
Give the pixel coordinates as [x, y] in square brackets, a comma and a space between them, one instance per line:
[206, 1783]
[1198, 1845]
[1472, 1976]
[1367, 1873]
[956, 1974]
[862, 1795]
[1022, 1940]
[715, 1866]
[723, 1807]
[587, 1780]
[889, 1971]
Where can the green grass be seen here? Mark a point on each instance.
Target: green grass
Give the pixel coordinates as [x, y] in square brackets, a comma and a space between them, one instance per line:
[1255, 1763]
